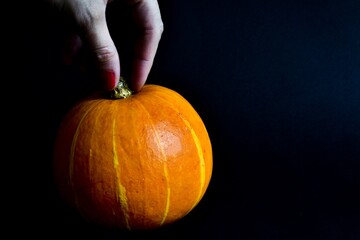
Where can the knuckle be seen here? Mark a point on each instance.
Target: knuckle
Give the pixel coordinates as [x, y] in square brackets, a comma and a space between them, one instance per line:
[104, 54]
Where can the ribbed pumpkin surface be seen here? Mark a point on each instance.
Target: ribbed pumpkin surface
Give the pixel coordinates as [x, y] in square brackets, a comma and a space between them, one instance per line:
[134, 163]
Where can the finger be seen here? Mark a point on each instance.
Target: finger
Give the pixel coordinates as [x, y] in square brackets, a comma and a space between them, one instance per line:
[145, 51]
[97, 37]
[148, 18]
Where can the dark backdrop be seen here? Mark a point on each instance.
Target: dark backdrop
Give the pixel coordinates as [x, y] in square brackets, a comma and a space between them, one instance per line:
[277, 84]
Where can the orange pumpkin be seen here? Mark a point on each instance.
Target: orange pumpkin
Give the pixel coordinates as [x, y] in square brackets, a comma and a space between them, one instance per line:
[139, 162]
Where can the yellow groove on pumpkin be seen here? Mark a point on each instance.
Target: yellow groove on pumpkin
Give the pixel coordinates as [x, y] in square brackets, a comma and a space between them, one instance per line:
[121, 190]
[167, 195]
[201, 157]
[197, 143]
[167, 204]
[72, 152]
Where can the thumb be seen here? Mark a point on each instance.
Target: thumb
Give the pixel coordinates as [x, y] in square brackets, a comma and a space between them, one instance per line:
[101, 45]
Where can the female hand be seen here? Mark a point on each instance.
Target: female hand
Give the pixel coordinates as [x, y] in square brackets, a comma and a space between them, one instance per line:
[89, 19]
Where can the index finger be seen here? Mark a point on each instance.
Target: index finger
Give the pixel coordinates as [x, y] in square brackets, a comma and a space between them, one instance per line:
[148, 18]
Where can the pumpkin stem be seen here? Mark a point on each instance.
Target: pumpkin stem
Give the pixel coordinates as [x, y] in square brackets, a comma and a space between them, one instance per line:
[121, 90]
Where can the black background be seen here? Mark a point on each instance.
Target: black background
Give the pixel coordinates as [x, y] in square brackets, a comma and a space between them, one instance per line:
[277, 84]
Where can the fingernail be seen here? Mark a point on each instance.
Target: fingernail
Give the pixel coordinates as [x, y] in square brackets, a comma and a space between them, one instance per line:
[108, 80]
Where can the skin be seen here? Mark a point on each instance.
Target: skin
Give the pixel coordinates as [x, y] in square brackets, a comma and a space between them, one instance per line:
[89, 20]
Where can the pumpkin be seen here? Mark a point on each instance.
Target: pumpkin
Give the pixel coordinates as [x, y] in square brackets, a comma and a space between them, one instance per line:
[133, 161]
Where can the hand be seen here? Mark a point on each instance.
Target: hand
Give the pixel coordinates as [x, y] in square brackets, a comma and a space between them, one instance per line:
[89, 18]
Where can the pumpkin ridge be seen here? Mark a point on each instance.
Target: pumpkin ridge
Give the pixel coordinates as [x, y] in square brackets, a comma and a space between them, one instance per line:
[120, 189]
[91, 139]
[72, 153]
[201, 158]
[168, 191]
[197, 144]
[167, 206]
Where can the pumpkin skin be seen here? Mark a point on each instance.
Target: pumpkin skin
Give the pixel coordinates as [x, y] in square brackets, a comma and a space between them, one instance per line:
[140, 162]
